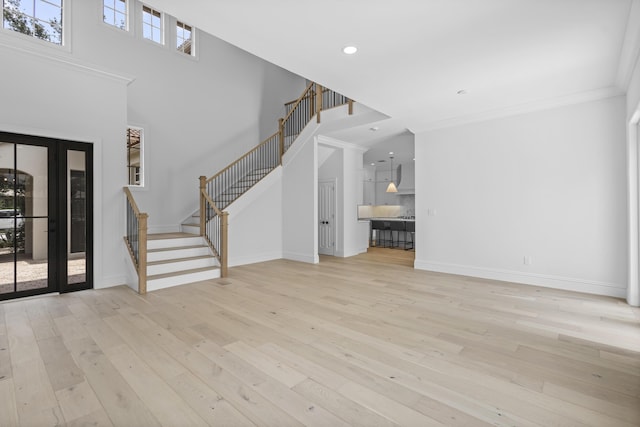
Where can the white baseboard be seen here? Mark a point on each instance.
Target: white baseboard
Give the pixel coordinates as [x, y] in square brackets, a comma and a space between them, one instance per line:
[351, 252]
[110, 281]
[546, 281]
[293, 256]
[253, 259]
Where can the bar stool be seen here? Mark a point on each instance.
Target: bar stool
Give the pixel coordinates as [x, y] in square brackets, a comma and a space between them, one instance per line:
[397, 226]
[380, 227]
[409, 229]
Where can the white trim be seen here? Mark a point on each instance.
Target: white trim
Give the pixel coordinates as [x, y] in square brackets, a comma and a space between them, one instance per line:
[143, 164]
[294, 256]
[633, 209]
[630, 48]
[542, 280]
[336, 143]
[336, 219]
[529, 107]
[254, 259]
[68, 62]
[351, 252]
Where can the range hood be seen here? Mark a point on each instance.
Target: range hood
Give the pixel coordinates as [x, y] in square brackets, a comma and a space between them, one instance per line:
[406, 178]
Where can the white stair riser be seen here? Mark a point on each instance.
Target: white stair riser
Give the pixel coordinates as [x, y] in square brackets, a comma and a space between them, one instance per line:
[177, 254]
[172, 267]
[193, 229]
[170, 243]
[167, 282]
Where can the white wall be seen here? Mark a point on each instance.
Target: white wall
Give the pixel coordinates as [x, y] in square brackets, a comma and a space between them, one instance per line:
[199, 114]
[255, 223]
[549, 185]
[300, 199]
[76, 104]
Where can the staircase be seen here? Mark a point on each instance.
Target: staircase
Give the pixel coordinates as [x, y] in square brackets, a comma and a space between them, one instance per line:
[199, 251]
[178, 258]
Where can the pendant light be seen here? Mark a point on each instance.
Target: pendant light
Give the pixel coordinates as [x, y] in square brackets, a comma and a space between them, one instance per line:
[392, 187]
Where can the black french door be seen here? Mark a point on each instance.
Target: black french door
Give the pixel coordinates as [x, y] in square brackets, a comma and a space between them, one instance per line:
[46, 215]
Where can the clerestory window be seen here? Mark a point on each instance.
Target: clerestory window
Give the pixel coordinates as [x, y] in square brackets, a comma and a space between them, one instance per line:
[184, 38]
[41, 19]
[115, 12]
[152, 24]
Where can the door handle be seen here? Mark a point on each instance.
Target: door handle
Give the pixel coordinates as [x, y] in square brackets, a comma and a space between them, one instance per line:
[52, 226]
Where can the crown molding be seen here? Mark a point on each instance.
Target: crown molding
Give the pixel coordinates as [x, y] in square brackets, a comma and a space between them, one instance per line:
[62, 59]
[529, 107]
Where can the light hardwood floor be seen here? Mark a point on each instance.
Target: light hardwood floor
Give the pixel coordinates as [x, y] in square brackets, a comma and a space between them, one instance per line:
[346, 342]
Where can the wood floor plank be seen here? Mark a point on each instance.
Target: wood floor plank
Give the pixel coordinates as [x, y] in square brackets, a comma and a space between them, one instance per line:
[119, 400]
[158, 396]
[349, 341]
[8, 407]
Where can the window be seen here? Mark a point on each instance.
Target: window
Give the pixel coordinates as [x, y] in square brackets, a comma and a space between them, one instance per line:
[184, 39]
[41, 19]
[151, 24]
[115, 13]
[134, 156]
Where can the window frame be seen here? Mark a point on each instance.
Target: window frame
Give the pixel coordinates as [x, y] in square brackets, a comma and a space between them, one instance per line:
[192, 30]
[127, 23]
[30, 42]
[141, 169]
[162, 27]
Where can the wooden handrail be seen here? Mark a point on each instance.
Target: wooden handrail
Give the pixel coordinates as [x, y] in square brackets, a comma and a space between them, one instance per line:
[141, 262]
[242, 158]
[298, 101]
[132, 202]
[212, 203]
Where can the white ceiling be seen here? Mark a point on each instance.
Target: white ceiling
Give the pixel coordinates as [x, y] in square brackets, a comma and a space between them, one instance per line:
[415, 55]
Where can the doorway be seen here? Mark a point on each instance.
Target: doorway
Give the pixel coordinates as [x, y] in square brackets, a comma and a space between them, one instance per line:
[46, 216]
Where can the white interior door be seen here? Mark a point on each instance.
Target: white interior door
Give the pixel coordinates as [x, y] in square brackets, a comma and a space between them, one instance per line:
[326, 217]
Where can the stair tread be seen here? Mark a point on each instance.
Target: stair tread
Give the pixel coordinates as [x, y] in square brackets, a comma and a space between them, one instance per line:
[169, 261]
[167, 236]
[181, 273]
[175, 248]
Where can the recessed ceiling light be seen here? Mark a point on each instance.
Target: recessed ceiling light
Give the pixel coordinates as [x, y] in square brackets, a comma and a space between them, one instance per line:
[462, 92]
[391, 152]
[349, 50]
[373, 164]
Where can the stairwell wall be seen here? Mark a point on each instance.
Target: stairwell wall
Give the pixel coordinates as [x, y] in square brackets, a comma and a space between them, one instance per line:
[199, 114]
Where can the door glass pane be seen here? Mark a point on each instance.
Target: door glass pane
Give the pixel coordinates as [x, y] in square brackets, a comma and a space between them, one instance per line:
[32, 266]
[32, 222]
[7, 218]
[77, 217]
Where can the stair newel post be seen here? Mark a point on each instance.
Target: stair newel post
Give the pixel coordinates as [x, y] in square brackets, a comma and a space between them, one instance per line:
[318, 101]
[224, 222]
[281, 137]
[142, 253]
[203, 184]
[350, 102]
